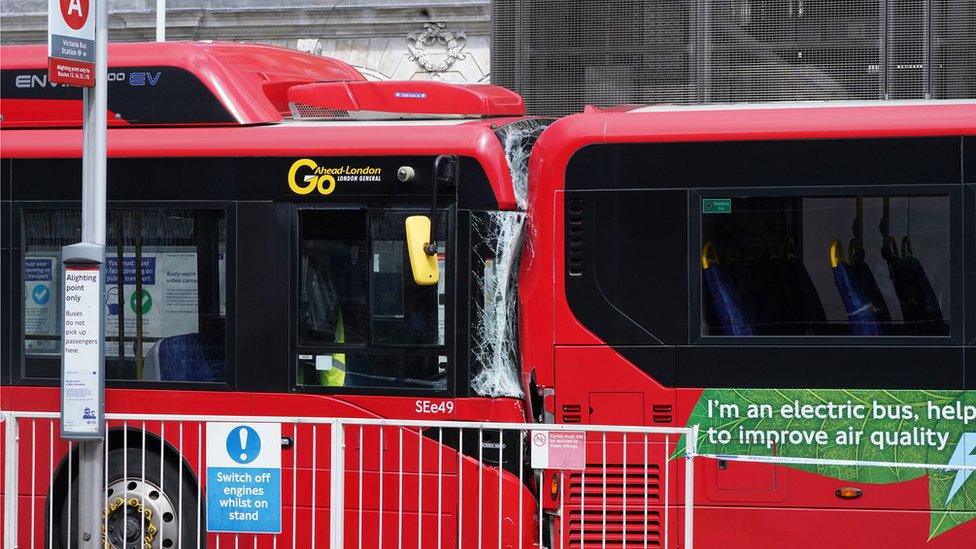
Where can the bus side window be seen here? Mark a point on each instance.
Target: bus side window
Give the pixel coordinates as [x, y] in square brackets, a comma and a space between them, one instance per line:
[402, 312]
[164, 312]
[332, 277]
[825, 265]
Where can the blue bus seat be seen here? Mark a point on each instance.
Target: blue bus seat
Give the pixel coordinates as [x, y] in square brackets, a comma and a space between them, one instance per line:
[190, 357]
[722, 297]
[865, 307]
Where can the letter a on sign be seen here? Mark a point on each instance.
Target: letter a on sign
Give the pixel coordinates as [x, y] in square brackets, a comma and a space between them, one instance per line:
[74, 8]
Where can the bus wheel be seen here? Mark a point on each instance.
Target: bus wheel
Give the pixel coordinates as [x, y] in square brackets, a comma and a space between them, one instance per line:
[142, 508]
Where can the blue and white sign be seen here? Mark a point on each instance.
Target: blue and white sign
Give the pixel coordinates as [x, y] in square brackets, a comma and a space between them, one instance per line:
[244, 477]
[41, 311]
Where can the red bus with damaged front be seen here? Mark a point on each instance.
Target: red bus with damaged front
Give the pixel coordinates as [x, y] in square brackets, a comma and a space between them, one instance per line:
[795, 279]
[264, 193]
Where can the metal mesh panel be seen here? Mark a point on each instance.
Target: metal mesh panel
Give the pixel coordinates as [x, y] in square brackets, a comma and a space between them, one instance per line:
[561, 56]
[505, 35]
[766, 50]
[907, 50]
[604, 53]
[301, 110]
[953, 49]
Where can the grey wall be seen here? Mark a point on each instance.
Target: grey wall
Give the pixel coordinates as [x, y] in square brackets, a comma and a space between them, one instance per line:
[386, 39]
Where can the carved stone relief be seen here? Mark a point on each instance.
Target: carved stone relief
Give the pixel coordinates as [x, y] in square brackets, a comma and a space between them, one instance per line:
[434, 52]
[450, 44]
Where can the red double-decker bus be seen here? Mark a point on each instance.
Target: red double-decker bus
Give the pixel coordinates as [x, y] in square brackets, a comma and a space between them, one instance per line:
[796, 280]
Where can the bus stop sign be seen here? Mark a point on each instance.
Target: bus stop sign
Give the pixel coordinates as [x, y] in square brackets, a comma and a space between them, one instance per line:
[71, 42]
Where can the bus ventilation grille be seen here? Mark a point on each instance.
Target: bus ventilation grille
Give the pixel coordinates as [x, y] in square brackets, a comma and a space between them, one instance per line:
[617, 484]
[574, 236]
[662, 413]
[586, 525]
[301, 111]
[571, 413]
[586, 529]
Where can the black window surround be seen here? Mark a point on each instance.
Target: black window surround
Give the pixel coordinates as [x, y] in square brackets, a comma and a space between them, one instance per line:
[662, 184]
[259, 229]
[956, 247]
[18, 370]
[447, 349]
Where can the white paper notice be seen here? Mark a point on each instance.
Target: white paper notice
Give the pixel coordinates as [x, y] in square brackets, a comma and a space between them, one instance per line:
[80, 392]
[169, 299]
[41, 310]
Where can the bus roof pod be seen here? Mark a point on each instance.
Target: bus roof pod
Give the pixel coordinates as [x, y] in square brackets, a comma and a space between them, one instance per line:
[167, 83]
[401, 99]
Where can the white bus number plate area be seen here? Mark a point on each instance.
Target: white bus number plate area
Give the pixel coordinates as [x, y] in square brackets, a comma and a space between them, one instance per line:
[244, 477]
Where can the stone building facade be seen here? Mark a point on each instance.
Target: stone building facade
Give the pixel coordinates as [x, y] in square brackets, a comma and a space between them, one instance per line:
[392, 39]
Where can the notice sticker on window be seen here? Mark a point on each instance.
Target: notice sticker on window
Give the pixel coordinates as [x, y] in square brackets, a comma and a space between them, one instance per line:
[323, 362]
[716, 205]
[41, 311]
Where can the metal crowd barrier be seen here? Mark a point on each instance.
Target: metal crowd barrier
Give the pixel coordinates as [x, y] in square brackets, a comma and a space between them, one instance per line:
[400, 484]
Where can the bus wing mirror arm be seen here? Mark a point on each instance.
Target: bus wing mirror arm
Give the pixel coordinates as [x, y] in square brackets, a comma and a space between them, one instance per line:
[422, 230]
[445, 173]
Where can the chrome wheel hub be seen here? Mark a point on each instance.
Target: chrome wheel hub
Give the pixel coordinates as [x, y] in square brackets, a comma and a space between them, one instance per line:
[138, 515]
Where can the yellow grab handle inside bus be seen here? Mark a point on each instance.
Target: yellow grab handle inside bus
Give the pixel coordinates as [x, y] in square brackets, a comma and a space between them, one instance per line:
[836, 253]
[709, 255]
[423, 266]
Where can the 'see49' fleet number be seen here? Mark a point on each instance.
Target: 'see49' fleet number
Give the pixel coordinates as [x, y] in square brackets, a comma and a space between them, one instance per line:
[434, 407]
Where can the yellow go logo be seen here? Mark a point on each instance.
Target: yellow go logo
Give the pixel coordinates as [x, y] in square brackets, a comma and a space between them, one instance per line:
[324, 183]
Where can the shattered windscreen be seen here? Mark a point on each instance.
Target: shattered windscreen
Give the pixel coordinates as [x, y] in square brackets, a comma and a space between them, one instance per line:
[497, 238]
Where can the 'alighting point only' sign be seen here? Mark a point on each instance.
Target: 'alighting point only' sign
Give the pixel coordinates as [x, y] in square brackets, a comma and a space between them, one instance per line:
[71, 42]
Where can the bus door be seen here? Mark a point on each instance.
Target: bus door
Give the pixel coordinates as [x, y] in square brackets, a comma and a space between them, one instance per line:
[364, 324]
[369, 341]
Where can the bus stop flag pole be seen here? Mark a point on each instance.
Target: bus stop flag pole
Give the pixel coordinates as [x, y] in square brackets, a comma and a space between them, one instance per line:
[78, 55]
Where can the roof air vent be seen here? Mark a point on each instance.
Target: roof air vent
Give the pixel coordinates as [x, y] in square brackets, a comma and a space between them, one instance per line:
[301, 111]
[402, 99]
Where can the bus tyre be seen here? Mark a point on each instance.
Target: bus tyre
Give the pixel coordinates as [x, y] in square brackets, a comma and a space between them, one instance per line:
[140, 511]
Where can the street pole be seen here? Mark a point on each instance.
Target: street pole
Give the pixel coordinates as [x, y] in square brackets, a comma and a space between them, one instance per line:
[78, 56]
[91, 453]
[160, 20]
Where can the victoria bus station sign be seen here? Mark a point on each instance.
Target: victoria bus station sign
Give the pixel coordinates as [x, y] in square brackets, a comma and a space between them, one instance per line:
[71, 42]
[920, 427]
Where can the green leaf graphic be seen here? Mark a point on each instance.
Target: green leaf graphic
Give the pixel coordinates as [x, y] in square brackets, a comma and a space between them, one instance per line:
[889, 417]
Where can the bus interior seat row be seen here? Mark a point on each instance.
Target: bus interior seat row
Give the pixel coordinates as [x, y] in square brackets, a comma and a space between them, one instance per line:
[767, 290]
[194, 357]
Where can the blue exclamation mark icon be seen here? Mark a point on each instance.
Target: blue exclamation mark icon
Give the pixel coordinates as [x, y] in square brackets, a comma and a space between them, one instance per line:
[243, 433]
[243, 444]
